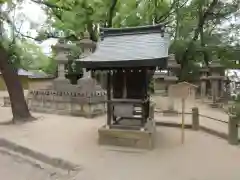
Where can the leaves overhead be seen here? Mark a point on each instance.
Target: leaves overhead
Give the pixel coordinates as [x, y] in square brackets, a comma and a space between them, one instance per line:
[201, 30]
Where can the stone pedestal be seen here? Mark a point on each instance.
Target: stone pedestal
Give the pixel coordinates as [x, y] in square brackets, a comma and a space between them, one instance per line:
[203, 87]
[61, 72]
[159, 83]
[214, 89]
[203, 82]
[129, 138]
[195, 119]
[214, 79]
[171, 110]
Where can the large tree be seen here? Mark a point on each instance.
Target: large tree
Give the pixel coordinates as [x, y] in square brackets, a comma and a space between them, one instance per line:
[16, 52]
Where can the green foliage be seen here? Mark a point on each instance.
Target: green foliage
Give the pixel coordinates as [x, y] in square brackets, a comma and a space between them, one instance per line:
[200, 29]
[73, 17]
[23, 53]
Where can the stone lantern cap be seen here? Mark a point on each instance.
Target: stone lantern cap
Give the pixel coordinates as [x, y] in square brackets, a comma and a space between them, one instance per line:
[215, 77]
[62, 51]
[86, 42]
[172, 63]
[204, 78]
[216, 64]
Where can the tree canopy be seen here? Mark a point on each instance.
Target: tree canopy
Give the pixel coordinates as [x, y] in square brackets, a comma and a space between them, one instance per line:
[23, 50]
[201, 30]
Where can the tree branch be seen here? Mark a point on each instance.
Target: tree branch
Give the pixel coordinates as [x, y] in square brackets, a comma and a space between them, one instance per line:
[197, 31]
[50, 5]
[171, 10]
[111, 11]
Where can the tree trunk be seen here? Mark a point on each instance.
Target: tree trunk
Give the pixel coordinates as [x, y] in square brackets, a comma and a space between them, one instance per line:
[202, 40]
[19, 106]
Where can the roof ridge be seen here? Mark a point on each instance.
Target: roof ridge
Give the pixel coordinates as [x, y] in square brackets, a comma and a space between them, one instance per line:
[158, 28]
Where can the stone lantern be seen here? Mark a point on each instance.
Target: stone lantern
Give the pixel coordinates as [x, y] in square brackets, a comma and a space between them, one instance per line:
[88, 47]
[62, 50]
[171, 79]
[83, 99]
[217, 81]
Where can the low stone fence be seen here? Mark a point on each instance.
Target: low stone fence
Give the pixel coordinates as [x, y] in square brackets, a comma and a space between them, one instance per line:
[232, 125]
[70, 103]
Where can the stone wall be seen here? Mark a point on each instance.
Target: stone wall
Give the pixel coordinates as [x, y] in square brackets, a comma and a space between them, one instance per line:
[64, 103]
[69, 103]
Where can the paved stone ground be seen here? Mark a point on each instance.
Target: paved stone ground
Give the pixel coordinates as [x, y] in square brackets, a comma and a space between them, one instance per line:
[202, 157]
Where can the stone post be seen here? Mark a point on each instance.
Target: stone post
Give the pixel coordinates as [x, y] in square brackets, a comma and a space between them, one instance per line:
[233, 130]
[203, 82]
[214, 84]
[203, 88]
[61, 71]
[222, 88]
[170, 81]
[151, 110]
[195, 119]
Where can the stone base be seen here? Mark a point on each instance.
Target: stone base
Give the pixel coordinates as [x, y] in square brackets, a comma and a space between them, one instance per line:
[128, 138]
[214, 105]
[170, 113]
[85, 110]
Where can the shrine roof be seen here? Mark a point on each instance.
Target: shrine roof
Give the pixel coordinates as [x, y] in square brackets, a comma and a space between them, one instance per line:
[129, 47]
